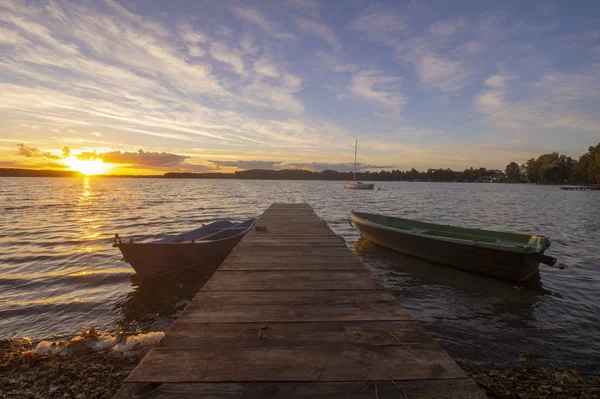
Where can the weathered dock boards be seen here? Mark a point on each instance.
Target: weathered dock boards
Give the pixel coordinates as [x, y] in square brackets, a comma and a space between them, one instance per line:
[581, 188]
[293, 313]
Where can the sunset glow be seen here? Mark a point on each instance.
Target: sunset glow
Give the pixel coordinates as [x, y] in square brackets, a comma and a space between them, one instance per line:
[152, 87]
[91, 167]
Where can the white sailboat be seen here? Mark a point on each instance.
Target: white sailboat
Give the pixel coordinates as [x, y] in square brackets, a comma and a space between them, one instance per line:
[357, 185]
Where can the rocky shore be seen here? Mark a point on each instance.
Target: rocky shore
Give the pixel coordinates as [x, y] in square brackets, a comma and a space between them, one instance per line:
[91, 366]
[534, 382]
[95, 366]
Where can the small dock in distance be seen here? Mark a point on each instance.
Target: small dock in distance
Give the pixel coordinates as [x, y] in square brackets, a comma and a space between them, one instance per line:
[293, 313]
[581, 188]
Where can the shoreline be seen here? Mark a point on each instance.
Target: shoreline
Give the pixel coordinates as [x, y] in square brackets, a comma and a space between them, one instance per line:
[95, 366]
[305, 175]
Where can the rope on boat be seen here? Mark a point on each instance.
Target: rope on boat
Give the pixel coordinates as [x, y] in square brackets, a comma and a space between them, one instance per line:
[60, 276]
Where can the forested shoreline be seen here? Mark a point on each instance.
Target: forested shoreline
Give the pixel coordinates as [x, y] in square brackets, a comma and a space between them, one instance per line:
[551, 168]
[555, 168]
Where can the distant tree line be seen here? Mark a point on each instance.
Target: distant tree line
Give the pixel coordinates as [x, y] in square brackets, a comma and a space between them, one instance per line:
[555, 168]
[10, 172]
[432, 175]
[552, 168]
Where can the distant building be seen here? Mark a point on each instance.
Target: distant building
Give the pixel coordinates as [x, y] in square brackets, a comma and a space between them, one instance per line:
[525, 178]
[492, 176]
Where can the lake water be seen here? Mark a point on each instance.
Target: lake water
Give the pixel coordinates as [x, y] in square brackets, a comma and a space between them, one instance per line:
[52, 229]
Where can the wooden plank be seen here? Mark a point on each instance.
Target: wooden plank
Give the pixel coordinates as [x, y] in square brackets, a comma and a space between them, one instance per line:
[288, 232]
[416, 389]
[292, 251]
[293, 280]
[304, 227]
[292, 242]
[342, 362]
[289, 257]
[293, 223]
[276, 313]
[286, 236]
[291, 218]
[287, 205]
[375, 298]
[283, 231]
[285, 218]
[294, 314]
[194, 335]
[285, 211]
[291, 232]
[299, 220]
[293, 306]
[269, 263]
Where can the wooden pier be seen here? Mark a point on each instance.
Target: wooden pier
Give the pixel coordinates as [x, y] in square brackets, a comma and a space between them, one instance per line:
[581, 188]
[293, 313]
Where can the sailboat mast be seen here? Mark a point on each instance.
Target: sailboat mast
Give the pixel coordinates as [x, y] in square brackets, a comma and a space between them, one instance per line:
[355, 150]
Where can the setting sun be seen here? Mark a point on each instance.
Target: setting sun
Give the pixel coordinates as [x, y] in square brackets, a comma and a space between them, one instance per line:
[89, 167]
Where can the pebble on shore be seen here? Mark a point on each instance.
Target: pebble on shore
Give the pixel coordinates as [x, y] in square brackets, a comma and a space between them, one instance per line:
[92, 365]
[534, 382]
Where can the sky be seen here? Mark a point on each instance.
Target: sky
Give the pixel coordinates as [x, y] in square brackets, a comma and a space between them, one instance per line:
[155, 86]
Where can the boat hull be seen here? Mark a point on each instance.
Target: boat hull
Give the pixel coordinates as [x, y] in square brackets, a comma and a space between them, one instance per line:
[510, 266]
[361, 186]
[153, 260]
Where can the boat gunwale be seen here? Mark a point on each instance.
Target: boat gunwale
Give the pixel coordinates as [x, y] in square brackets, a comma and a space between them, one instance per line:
[194, 242]
[523, 249]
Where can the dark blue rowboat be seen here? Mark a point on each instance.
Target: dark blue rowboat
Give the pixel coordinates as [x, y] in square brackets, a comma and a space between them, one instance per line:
[207, 246]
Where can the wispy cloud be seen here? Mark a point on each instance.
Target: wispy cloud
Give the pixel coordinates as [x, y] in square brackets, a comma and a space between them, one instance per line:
[492, 101]
[306, 4]
[320, 30]
[312, 166]
[222, 52]
[340, 167]
[248, 45]
[434, 69]
[380, 24]
[332, 63]
[191, 35]
[131, 77]
[554, 100]
[246, 164]
[264, 67]
[371, 85]
[140, 158]
[446, 28]
[32, 152]
[253, 16]
[438, 72]
[11, 37]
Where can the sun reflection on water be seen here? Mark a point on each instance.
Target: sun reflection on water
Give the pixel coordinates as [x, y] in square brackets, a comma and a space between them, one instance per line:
[86, 204]
[86, 187]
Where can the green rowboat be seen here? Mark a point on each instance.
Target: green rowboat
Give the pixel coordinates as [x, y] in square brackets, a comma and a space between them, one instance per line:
[508, 256]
